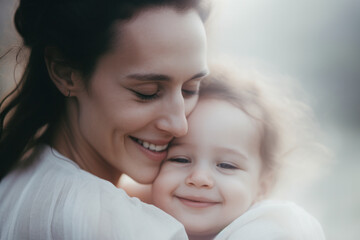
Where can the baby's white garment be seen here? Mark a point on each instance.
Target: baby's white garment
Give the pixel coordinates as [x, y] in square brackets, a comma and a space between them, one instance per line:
[53, 198]
[273, 220]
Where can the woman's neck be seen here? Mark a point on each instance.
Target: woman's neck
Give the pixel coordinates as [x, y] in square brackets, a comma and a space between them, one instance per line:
[68, 141]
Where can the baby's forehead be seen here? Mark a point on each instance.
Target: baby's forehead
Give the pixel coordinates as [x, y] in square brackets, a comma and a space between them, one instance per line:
[220, 111]
[218, 122]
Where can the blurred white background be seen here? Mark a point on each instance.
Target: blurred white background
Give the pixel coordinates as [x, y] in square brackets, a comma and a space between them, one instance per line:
[317, 44]
[314, 42]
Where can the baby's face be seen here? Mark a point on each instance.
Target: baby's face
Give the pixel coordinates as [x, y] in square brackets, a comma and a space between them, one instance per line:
[212, 175]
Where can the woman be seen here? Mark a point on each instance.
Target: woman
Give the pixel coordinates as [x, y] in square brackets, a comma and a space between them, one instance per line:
[107, 86]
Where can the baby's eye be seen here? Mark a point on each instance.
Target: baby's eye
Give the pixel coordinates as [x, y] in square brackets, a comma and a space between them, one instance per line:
[179, 160]
[227, 166]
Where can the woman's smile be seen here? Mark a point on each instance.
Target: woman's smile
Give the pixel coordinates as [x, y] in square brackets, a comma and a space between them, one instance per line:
[151, 146]
[153, 151]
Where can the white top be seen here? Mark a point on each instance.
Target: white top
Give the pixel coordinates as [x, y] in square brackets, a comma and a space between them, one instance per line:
[273, 220]
[53, 198]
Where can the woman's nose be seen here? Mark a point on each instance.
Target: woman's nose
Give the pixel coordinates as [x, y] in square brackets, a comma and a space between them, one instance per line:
[173, 117]
[200, 178]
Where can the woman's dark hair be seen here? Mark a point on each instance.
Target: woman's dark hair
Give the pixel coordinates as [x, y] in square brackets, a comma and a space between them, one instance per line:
[81, 31]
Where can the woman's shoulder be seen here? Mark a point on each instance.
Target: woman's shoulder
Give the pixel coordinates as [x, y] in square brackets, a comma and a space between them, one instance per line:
[73, 204]
[275, 220]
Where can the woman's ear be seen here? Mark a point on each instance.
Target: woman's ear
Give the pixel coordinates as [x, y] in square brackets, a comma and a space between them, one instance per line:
[66, 79]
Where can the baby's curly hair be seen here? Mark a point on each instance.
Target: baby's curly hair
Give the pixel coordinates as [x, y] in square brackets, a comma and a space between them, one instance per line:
[285, 124]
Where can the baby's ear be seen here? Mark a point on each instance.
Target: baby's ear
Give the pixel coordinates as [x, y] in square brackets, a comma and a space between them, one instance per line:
[66, 79]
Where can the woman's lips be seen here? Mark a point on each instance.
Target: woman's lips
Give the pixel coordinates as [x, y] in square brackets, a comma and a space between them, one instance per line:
[196, 202]
[155, 152]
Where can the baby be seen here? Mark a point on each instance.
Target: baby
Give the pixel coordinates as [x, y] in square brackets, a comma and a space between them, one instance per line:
[216, 179]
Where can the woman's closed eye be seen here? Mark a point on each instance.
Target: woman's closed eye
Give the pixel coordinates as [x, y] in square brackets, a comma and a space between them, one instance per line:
[187, 93]
[146, 97]
[145, 91]
[192, 89]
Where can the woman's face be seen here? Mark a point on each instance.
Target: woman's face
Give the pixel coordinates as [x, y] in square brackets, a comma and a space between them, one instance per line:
[141, 92]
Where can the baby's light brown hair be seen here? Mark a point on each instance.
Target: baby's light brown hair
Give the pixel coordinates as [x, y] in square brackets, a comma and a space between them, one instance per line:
[284, 122]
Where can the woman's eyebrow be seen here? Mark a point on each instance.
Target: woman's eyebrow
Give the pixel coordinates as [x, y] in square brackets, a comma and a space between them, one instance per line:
[149, 77]
[162, 77]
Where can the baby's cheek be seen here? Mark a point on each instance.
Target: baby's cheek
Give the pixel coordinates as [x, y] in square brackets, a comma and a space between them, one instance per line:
[159, 198]
[158, 190]
[165, 186]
